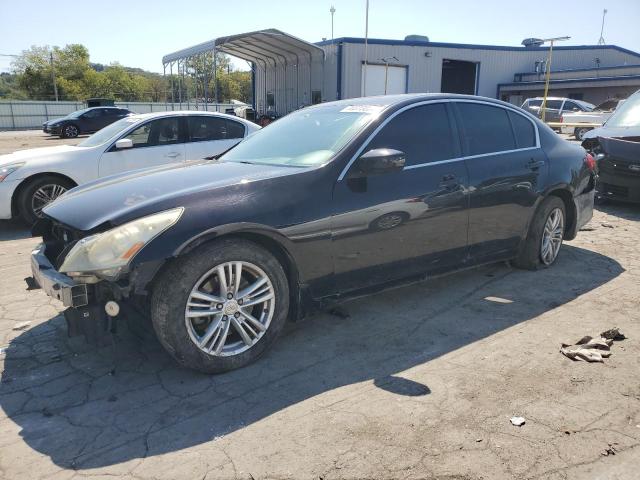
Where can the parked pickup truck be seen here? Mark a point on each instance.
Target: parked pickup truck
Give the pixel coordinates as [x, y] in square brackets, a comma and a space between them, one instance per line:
[592, 119]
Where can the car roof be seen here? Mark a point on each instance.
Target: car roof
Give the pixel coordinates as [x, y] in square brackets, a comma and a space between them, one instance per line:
[406, 98]
[171, 113]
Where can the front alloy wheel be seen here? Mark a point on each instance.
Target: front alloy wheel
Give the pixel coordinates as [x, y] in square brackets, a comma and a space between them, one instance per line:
[230, 308]
[70, 131]
[552, 236]
[44, 195]
[220, 306]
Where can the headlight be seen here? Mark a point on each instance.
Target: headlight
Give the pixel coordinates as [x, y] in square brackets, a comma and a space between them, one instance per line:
[9, 169]
[106, 253]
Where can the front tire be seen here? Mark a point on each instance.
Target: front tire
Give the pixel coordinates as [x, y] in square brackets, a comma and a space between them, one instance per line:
[69, 131]
[37, 194]
[544, 239]
[221, 306]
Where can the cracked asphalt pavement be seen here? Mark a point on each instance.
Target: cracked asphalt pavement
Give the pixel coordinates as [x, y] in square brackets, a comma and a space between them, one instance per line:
[415, 382]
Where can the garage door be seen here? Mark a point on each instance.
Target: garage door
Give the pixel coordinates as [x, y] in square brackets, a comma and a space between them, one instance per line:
[378, 77]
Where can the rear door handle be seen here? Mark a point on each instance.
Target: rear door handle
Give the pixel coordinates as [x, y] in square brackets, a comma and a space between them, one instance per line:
[172, 155]
[535, 164]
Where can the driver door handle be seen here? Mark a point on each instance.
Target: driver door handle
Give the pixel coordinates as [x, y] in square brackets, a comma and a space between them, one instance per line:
[172, 155]
[534, 165]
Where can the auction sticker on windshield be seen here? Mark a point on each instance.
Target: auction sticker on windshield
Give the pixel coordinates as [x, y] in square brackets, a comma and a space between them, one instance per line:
[363, 108]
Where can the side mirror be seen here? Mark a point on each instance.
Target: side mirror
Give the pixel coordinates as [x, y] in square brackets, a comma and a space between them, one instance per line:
[124, 143]
[378, 162]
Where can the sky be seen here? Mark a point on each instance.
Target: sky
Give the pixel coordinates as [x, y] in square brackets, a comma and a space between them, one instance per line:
[138, 33]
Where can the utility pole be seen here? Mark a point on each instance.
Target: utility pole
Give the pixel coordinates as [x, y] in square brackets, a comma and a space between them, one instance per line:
[366, 50]
[601, 39]
[53, 76]
[543, 107]
[386, 70]
[332, 10]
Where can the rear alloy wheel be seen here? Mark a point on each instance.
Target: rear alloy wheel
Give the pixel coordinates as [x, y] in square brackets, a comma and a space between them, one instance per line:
[39, 193]
[220, 306]
[69, 131]
[544, 239]
[552, 236]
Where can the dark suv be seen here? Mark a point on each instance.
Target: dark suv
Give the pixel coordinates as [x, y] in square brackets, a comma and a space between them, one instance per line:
[84, 121]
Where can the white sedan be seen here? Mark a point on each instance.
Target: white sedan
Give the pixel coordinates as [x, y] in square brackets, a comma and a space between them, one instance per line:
[29, 179]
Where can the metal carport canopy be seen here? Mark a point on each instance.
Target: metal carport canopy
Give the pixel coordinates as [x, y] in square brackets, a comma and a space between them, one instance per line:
[261, 45]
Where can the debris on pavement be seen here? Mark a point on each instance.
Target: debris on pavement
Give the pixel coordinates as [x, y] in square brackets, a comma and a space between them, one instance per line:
[21, 326]
[518, 421]
[610, 450]
[613, 334]
[592, 349]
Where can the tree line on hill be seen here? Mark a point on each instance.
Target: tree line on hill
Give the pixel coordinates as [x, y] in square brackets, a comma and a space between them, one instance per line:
[77, 78]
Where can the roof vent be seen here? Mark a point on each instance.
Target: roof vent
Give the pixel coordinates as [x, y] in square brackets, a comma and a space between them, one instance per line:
[416, 38]
[532, 42]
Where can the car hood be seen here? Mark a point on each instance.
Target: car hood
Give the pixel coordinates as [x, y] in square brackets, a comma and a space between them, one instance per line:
[118, 199]
[55, 120]
[36, 154]
[615, 132]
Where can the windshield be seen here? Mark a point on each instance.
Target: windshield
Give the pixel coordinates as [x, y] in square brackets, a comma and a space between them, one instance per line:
[304, 138]
[108, 132]
[78, 113]
[586, 105]
[627, 114]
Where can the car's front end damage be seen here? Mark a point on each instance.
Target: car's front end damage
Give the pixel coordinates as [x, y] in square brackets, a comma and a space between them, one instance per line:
[90, 272]
[619, 168]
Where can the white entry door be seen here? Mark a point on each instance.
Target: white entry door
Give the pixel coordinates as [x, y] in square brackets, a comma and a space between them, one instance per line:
[383, 80]
[155, 143]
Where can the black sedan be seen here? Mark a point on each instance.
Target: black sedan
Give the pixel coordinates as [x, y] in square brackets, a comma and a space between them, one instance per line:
[331, 201]
[88, 120]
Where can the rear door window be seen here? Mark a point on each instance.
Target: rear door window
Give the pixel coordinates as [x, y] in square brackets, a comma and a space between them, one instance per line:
[486, 128]
[206, 129]
[234, 129]
[523, 130]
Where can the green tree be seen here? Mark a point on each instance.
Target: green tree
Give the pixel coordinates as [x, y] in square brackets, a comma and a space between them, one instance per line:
[34, 69]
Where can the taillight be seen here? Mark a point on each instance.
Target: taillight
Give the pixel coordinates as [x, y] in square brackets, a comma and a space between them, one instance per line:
[590, 162]
[561, 119]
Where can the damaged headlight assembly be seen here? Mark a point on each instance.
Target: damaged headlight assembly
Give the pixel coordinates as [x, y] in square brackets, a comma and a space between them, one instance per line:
[106, 254]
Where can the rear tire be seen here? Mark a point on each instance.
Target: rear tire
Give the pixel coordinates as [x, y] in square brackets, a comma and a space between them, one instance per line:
[579, 133]
[533, 254]
[222, 341]
[32, 197]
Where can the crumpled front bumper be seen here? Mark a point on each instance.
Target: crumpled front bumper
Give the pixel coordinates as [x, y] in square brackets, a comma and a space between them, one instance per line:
[55, 284]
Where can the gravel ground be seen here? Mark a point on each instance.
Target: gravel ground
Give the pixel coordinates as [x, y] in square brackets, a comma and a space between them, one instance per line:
[417, 382]
[10, 141]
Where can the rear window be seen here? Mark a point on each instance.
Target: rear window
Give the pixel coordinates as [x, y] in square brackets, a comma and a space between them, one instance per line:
[487, 129]
[523, 129]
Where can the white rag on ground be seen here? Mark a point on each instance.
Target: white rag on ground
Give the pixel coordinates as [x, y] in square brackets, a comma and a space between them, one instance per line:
[592, 349]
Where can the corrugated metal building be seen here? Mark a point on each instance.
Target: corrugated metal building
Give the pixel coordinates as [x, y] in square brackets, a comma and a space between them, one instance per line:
[510, 73]
[290, 73]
